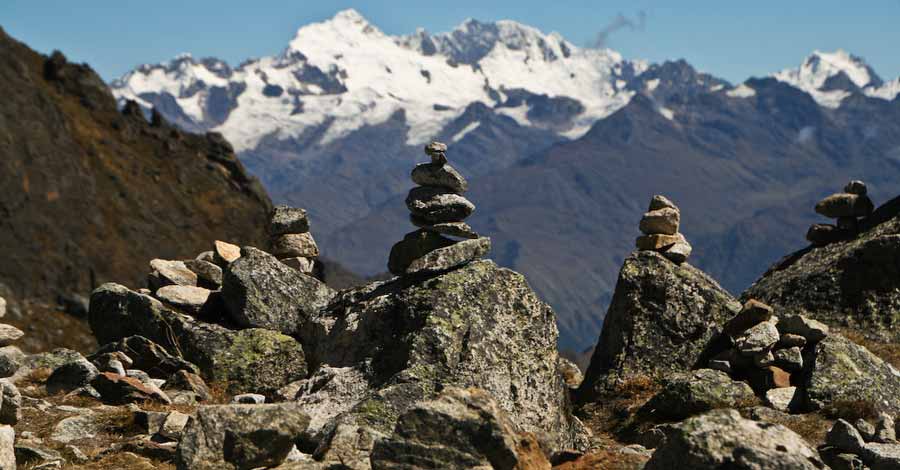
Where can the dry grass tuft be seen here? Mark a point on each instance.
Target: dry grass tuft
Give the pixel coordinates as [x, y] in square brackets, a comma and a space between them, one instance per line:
[888, 351]
[605, 459]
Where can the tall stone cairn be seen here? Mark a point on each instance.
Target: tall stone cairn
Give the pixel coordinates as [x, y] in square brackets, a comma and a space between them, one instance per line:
[290, 240]
[438, 208]
[847, 208]
[659, 226]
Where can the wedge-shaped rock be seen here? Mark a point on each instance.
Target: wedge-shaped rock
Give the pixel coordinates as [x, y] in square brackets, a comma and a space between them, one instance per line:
[441, 176]
[843, 371]
[723, 439]
[758, 339]
[238, 437]
[286, 219]
[438, 205]
[459, 429]
[224, 253]
[656, 242]
[414, 246]
[454, 229]
[661, 221]
[845, 205]
[452, 256]
[187, 298]
[290, 245]
[661, 202]
[167, 273]
[752, 313]
[251, 360]
[680, 251]
[261, 292]
[208, 274]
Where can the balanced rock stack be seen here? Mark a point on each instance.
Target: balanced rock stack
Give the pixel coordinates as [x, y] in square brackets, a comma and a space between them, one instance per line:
[847, 207]
[8, 333]
[290, 239]
[660, 231]
[438, 208]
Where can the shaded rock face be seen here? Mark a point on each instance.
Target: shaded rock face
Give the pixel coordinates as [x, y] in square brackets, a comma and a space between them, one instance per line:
[661, 319]
[479, 325]
[843, 371]
[249, 360]
[723, 439]
[687, 394]
[855, 283]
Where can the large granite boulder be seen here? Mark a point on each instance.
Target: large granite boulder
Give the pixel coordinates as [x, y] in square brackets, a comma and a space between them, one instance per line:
[459, 429]
[390, 345]
[723, 439]
[689, 393]
[854, 283]
[843, 371]
[661, 320]
[250, 360]
[261, 292]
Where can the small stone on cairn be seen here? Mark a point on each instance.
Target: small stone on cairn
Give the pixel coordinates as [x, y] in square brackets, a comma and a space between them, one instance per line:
[846, 207]
[660, 228]
[290, 240]
[438, 208]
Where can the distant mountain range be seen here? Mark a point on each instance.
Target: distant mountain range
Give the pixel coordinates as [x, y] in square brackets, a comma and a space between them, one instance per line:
[563, 145]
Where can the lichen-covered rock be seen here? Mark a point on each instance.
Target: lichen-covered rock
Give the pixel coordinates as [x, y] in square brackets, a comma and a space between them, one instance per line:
[845, 437]
[145, 355]
[261, 292]
[240, 437]
[438, 205]
[723, 439]
[687, 394]
[459, 429]
[853, 284]
[286, 219]
[442, 176]
[294, 244]
[414, 246]
[843, 371]
[70, 376]
[845, 205]
[479, 325]
[7, 447]
[251, 360]
[661, 319]
[451, 256]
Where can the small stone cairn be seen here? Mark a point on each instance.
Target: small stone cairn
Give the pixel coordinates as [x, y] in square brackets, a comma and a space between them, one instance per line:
[768, 353]
[660, 231]
[291, 242]
[8, 333]
[847, 207]
[438, 208]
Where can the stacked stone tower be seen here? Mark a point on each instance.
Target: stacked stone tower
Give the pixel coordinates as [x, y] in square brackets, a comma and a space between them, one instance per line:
[438, 208]
[847, 208]
[291, 241]
[659, 226]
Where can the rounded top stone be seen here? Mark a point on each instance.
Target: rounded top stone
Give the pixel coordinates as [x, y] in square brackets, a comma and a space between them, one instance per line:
[661, 202]
[856, 187]
[286, 219]
[435, 147]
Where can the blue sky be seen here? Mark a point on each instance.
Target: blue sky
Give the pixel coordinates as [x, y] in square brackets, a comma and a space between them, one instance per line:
[733, 40]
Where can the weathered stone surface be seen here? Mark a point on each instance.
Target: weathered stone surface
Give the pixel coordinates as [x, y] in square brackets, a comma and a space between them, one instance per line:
[844, 371]
[76, 428]
[208, 274]
[261, 292]
[442, 176]
[10, 403]
[680, 251]
[866, 429]
[286, 219]
[885, 432]
[173, 426]
[436, 151]
[251, 360]
[185, 380]
[9, 333]
[813, 331]
[7, 448]
[687, 394]
[763, 379]
[722, 439]
[479, 325]
[451, 256]
[290, 245]
[881, 456]
[661, 319]
[120, 390]
[167, 272]
[789, 340]
[826, 234]
[855, 284]
[414, 246]
[2, 307]
[845, 437]
[249, 399]
[188, 298]
[459, 429]
[758, 339]
[147, 356]
[789, 359]
[856, 187]
[233, 437]
[453, 229]
[784, 399]
[845, 205]
[752, 313]
[224, 253]
[11, 359]
[655, 242]
[301, 264]
[660, 202]
[438, 205]
[71, 376]
[570, 372]
[663, 221]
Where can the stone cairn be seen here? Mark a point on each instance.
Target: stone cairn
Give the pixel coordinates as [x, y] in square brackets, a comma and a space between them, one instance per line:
[438, 208]
[768, 353]
[847, 207]
[291, 241]
[660, 231]
[8, 333]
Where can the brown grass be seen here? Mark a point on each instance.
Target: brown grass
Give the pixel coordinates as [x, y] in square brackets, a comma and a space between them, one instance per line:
[888, 351]
[613, 411]
[605, 459]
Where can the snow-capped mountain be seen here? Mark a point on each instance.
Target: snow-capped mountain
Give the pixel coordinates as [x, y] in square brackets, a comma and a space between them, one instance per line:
[829, 77]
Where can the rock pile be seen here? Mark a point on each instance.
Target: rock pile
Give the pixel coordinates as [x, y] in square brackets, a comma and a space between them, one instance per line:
[438, 208]
[659, 226]
[847, 207]
[863, 445]
[290, 240]
[8, 333]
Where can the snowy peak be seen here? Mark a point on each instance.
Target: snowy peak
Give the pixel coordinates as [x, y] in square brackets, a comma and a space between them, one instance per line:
[832, 76]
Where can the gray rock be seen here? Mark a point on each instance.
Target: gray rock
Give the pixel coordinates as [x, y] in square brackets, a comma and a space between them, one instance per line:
[414, 246]
[790, 341]
[145, 355]
[784, 399]
[286, 219]
[825, 234]
[789, 359]
[856, 187]
[438, 205]
[570, 372]
[656, 242]
[758, 339]
[250, 360]
[173, 425]
[76, 428]
[188, 298]
[814, 331]
[8, 334]
[722, 439]
[451, 256]
[7, 448]
[249, 399]
[837, 460]
[752, 313]
[660, 202]
[328, 393]
[2, 307]
[225, 253]
[28, 453]
[11, 359]
[301, 264]
[261, 292]
[884, 430]
[232, 437]
[208, 274]
[680, 251]
[663, 221]
[290, 245]
[687, 394]
[10, 403]
[459, 429]
[209, 256]
[121, 390]
[763, 359]
[453, 229]
[436, 150]
[845, 205]
[720, 365]
[660, 320]
[115, 361]
[844, 371]
[845, 437]
[441, 176]
[166, 273]
[184, 380]
[881, 456]
[71, 376]
[866, 429]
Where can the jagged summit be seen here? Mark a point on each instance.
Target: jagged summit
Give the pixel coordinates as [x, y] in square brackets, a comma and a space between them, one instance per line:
[832, 76]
